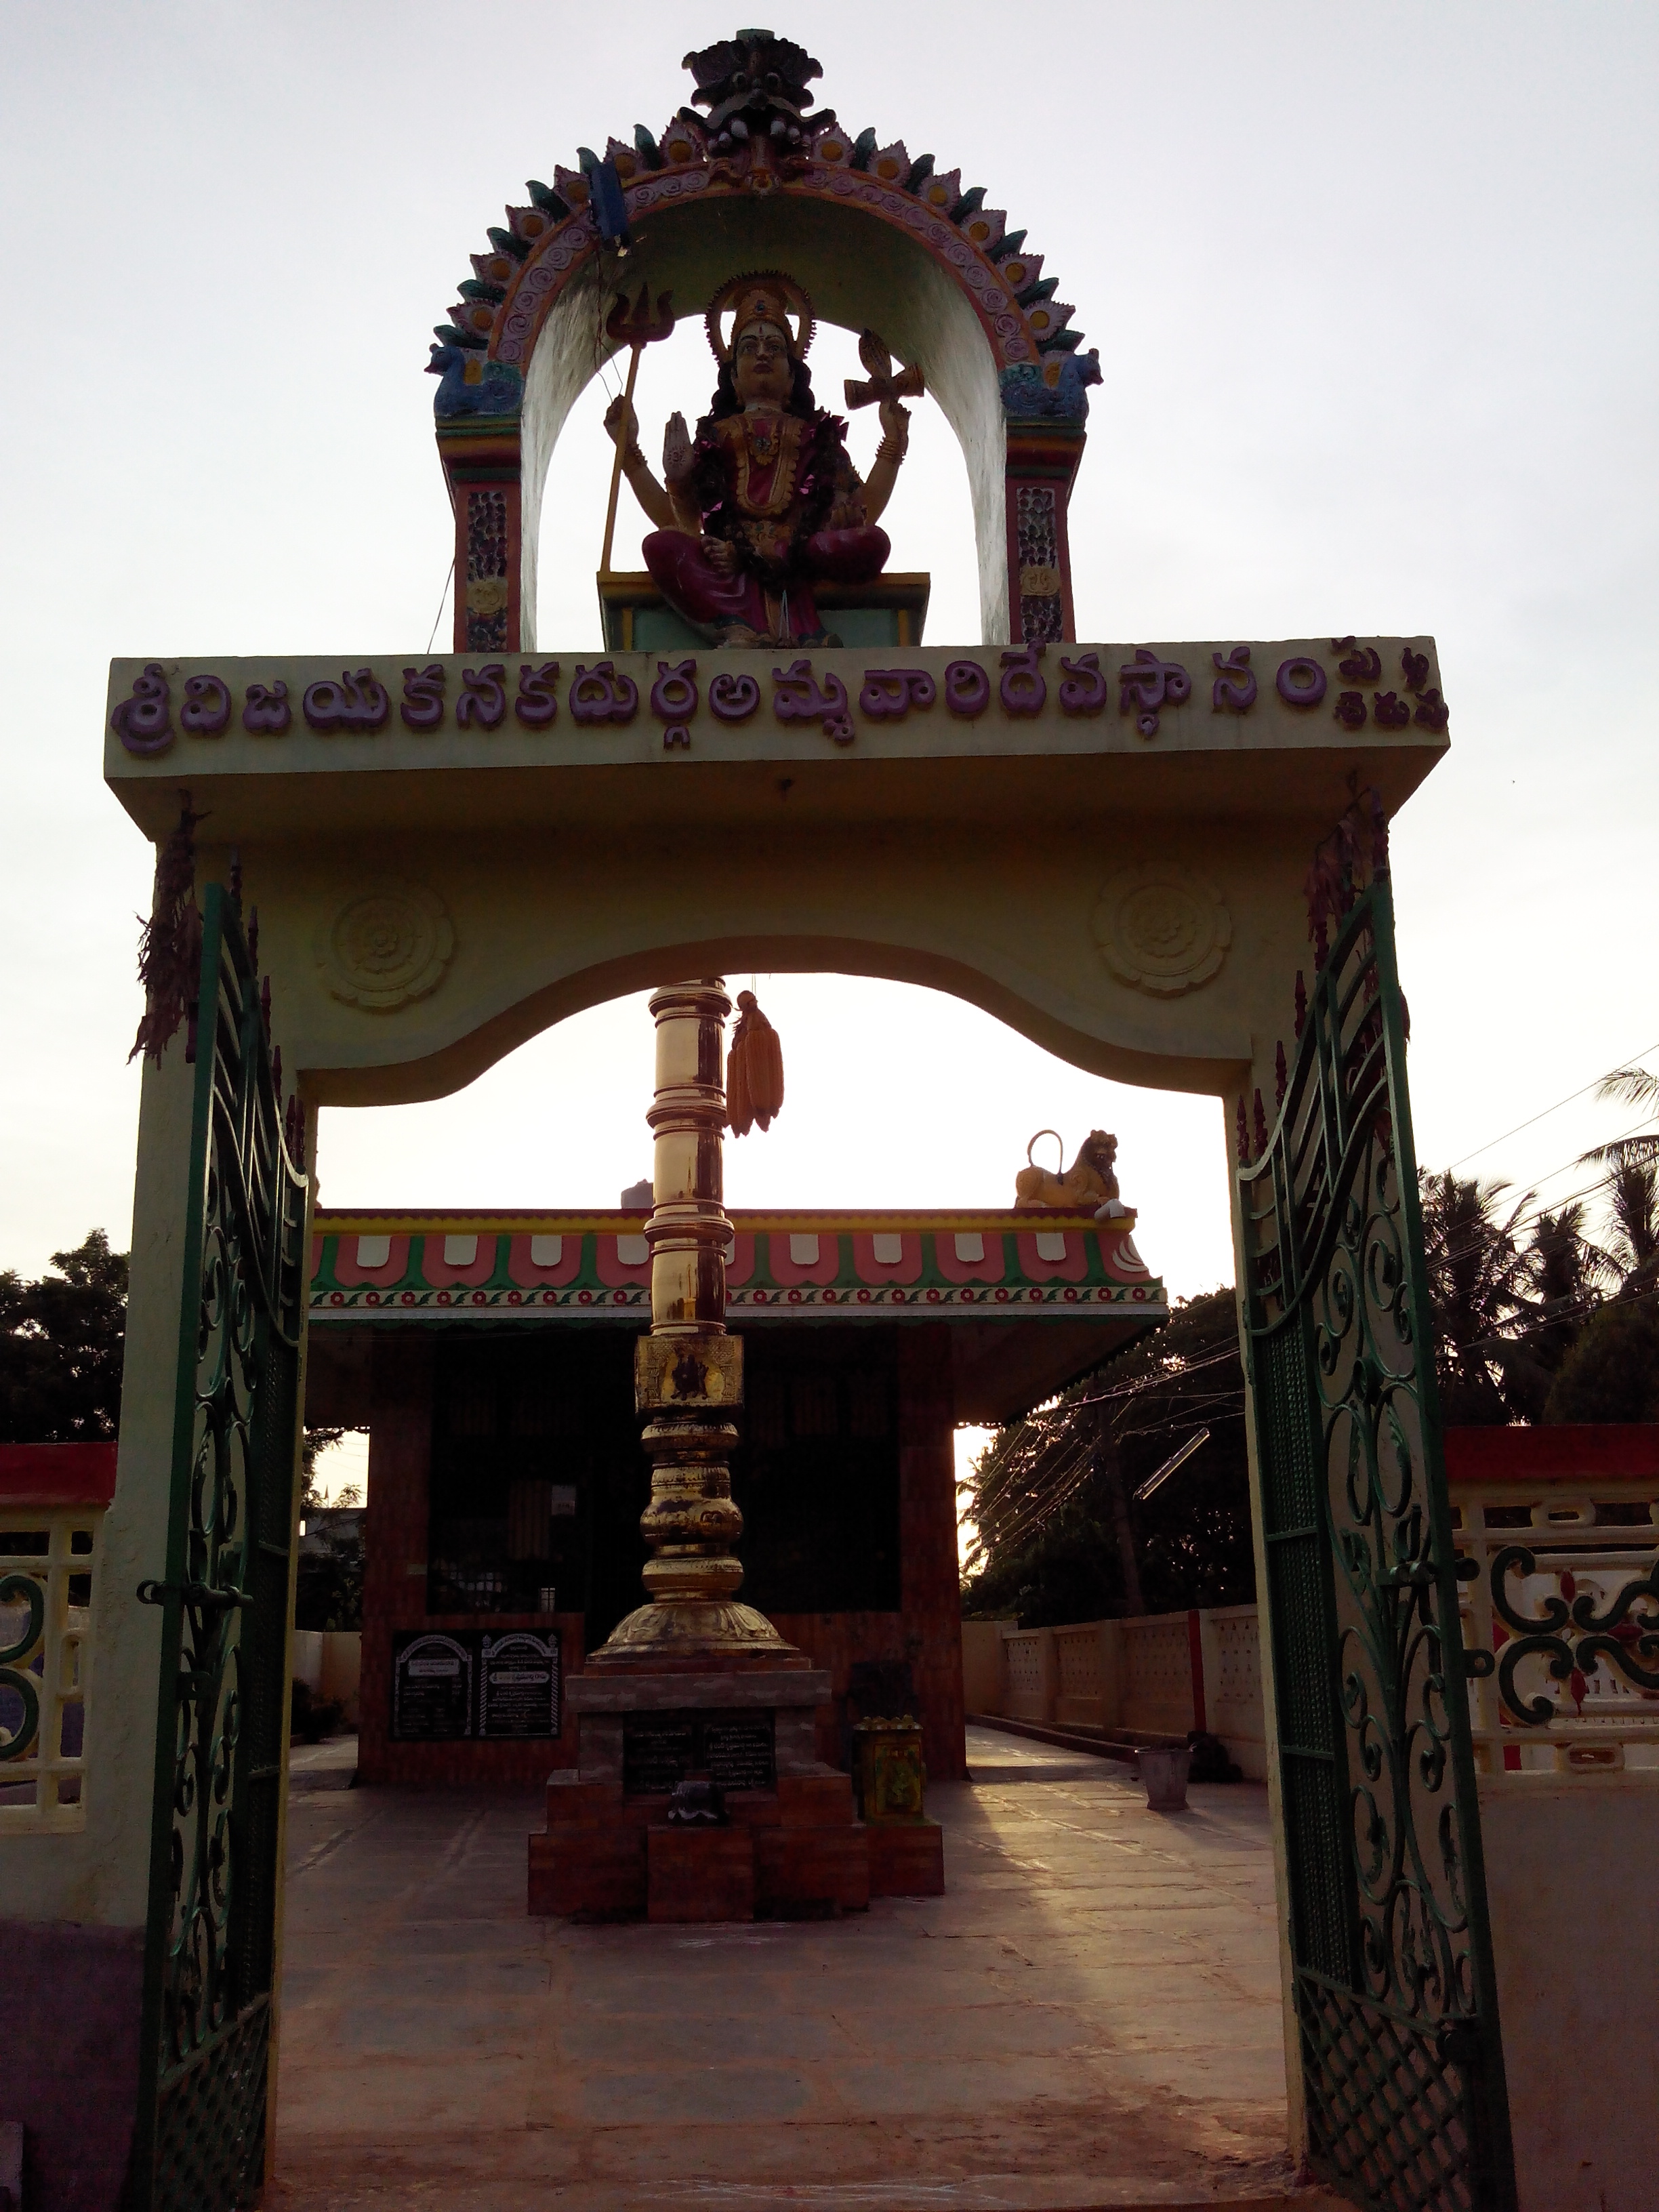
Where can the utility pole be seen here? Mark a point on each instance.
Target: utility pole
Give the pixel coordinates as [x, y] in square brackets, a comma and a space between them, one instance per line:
[1109, 1462]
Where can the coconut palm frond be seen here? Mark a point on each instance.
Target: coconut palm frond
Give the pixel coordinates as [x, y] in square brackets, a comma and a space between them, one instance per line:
[1633, 1199]
[1631, 1086]
[1635, 1086]
[1563, 1266]
[1621, 1150]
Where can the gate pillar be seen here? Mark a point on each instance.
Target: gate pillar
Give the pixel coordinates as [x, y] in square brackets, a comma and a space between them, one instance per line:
[76, 1893]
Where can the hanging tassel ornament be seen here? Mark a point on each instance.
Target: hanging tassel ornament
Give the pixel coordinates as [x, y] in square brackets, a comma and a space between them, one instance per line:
[754, 1070]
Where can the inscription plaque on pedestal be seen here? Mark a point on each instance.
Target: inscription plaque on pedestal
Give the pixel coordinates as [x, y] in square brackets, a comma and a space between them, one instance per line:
[659, 1750]
[432, 1687]
[738, 1750]
[518, 1684]
[734, 1749]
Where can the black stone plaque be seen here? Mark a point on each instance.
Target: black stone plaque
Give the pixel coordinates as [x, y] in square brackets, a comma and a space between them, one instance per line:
[734, 1749]
[659, 1750]
[433, 1677]
[738, 1750]
[518, 1684]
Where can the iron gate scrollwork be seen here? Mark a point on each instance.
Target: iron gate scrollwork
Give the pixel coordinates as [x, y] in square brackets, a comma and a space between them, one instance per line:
[1401, 2059]
[221, 1729]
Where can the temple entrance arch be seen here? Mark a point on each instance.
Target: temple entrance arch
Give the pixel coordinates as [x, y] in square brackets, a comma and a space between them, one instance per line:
[1136, 898]
[1109, 847]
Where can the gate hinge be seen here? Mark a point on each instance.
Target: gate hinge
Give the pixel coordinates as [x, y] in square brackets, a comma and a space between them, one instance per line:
[1458, 2043]
[200, 1595]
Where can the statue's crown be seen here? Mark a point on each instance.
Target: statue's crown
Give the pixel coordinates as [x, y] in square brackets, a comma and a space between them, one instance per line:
[765, 296]
[760, 303]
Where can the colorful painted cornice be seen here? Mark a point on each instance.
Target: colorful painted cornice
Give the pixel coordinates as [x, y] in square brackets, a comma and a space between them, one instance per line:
[595, 1267]
[487, 342]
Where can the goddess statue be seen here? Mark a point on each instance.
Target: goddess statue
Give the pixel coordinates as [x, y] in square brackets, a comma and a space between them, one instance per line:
[763, 503]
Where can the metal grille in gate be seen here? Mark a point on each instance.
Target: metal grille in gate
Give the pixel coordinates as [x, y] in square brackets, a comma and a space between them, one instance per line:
[1401, 2061]
[225, 1603]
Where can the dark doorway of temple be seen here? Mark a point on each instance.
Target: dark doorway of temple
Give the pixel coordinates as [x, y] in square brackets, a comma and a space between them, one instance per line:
[815, 1476]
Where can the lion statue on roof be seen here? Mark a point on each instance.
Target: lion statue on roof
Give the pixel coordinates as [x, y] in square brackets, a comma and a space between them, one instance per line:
[1088, 1186]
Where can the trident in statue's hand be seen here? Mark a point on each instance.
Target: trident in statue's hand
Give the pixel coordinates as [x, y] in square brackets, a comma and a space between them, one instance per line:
[635, 327]
[884, 385]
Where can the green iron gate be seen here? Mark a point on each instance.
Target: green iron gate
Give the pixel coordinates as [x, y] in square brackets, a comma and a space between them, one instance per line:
[1401, 2061]
[221, 1729]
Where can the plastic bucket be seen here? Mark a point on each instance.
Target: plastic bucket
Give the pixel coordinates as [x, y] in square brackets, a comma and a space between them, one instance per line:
[1164, 1772]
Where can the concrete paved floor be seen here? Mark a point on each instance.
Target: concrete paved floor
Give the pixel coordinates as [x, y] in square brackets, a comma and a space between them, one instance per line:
[1089, 2017]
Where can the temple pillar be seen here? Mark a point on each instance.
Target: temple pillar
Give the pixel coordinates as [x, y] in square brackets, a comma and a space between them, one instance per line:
[395, 1527]
[930, 1591]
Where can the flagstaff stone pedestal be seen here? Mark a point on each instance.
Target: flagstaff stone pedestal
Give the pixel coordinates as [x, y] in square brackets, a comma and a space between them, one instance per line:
[789, 1845]
[792, 1845]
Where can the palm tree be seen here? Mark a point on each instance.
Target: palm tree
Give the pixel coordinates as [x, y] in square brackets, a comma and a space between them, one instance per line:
[1634, 1181]
[1636, 1087]
[1633, 1200]
[1478, 1285]
[1564, 1267]
[1564, 1273]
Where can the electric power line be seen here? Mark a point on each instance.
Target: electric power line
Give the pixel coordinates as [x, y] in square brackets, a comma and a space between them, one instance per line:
[1524, 1219]
[1544, 1115]
[442, 596]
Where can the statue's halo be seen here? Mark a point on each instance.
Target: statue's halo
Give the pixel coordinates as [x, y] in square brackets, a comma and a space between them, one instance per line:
[760, 295]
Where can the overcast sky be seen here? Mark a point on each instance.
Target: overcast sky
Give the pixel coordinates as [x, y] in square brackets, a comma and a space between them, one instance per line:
[1374, 292]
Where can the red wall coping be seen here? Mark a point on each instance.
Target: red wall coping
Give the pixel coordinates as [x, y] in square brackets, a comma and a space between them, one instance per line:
[57, 1474]
[84, 1473]
[1624, 1451]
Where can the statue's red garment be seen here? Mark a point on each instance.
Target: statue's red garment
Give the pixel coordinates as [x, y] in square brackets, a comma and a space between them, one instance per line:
[780, 489]
[682, 572]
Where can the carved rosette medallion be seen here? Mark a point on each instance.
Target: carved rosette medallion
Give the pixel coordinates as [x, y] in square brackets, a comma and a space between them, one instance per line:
[1162, 928]
[389, 944]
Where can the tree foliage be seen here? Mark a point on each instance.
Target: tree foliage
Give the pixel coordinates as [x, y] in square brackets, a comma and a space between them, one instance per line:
[1611, 1372]
[1519, 1297]
[1531, 1321]
[1633, 1202]
[1061, 1536]
[328, 1590]
[62, 1339]
[1478, 1286]
[1512, 1289]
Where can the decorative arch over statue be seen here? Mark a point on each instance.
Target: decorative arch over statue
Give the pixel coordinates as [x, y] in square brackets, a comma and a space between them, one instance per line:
[879, 238]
